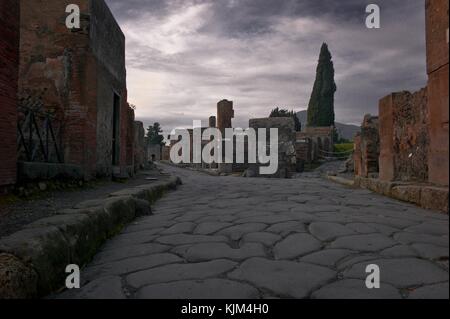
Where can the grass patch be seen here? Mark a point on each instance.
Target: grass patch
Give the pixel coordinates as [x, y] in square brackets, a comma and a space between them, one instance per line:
[344, 148]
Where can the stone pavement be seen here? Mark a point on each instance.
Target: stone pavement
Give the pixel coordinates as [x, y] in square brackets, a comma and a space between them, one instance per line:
[231, 237]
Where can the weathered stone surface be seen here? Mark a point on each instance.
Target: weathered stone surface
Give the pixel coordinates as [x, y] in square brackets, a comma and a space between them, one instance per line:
[355, 289]
[209, 251]
[179, 228]
[438, 291]
[371, 242]
[327, 257]
[119, 253]
[17, 280]
[267, 239]
[329, 231]
[236, 232]
[180, 239]
[399, 251]
[287, 227]
[102, 288]
[436, 229]
[402, 273]
[130, 265]
[409, 238]
[408, 193]
[180, 272]
[208, 228]
[199, 289]
[431, 251]
[284, 278]
[295, 246]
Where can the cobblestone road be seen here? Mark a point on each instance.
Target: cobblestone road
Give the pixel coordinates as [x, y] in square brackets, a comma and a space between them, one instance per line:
[230, 237]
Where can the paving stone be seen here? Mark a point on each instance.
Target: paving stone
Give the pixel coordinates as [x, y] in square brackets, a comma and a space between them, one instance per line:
[284, 278]
[438, 291]
[130, 265]
[199, 289]
[287, 227]
[180, 228]
[370, 242]
[265, 238]
[355, 289]
[410, 238]
[209, 228]
[209, 251]
[181, 239]
[302, 199]
[295, 246]
[273, 219]
[352, 260]
[402, 273]
[362, 228]
[329, 231]
[236, 232]
[177, 272]
[399, 251]
[102, 288]
[327, 257]
[436, 229]
[431, 251]
[119, 253]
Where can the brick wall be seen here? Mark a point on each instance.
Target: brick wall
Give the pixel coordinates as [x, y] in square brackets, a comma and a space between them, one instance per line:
[9, 59]
[79, 72]
[438, 102]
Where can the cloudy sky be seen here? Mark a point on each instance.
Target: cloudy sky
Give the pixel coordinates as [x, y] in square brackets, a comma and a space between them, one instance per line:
[183, 56]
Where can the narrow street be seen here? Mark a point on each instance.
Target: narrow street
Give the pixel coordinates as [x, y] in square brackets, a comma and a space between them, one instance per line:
[232, 237]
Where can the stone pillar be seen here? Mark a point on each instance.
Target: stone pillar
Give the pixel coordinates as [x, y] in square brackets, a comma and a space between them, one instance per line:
[212, 121]
[225, 113]
[386, 138]
[9, 65]
[438, 102]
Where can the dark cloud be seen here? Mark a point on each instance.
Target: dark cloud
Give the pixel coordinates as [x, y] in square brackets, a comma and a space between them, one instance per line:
[183, 56]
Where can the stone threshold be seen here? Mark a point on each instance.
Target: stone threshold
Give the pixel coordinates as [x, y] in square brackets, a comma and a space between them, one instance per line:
[33, 260]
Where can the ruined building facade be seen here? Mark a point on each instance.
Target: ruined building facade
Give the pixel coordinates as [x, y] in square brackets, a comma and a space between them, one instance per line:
[80, 78]
[9, 61]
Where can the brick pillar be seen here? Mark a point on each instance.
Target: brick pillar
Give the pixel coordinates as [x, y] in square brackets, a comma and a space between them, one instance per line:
[438, 102]
[387, 165]
[225, 113]
[9, 61]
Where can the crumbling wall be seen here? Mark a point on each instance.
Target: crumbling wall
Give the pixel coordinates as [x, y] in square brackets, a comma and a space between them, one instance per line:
[286, 145]
[367, 148]
[438, 102]
[404, 138]
[9, 62]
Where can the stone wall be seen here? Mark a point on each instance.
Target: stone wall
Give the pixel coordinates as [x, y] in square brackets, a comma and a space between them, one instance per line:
[320, 143]
[81, 73]
[438, 103]
[367, 148]
[287, 161]
[9, 62]
[404, 138]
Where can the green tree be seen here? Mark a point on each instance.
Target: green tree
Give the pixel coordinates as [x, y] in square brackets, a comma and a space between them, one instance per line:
[321, 104]
[154, 134]
[277, 112]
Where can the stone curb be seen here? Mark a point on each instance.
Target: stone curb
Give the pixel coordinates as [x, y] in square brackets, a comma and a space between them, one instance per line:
[33, 260]
[341, 180]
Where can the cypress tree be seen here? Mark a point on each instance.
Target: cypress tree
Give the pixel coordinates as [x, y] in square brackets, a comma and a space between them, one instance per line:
[321, 104]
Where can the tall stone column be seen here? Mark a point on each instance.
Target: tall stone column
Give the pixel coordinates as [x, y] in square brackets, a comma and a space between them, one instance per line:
[225, 114]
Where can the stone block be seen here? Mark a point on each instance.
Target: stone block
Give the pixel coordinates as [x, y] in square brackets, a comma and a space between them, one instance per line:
[435, 198]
